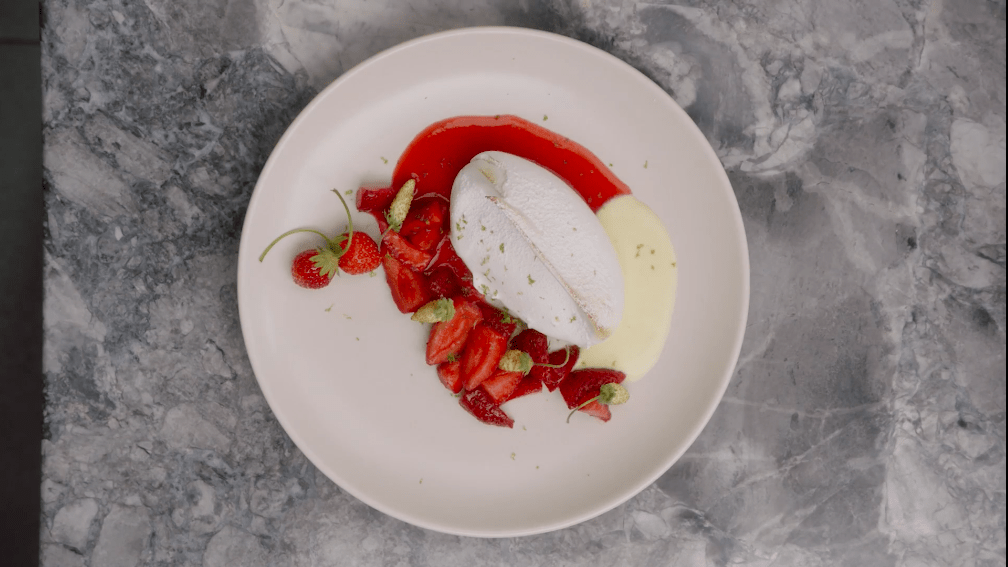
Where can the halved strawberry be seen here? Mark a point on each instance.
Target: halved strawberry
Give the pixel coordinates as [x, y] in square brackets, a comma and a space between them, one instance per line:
[426, 224]
[445, 256]
[375, 200]
[529, 385]
[448, 337]
[537, 346]
[450, 374]
[393, 243]
[409, 289]
[498, 320]
[598, 410]
[478, 403]
[583, 385]
[482, 354]
[501, 384]
[553, 377]
[443, 283]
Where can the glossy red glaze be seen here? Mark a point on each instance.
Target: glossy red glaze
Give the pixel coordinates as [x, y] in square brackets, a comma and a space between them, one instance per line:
[437, 154]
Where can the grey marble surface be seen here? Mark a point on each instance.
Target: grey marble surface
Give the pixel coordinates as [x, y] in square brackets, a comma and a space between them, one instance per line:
[865, 424]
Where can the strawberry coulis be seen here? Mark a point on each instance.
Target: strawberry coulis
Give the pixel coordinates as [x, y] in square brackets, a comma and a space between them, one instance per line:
[437, 154]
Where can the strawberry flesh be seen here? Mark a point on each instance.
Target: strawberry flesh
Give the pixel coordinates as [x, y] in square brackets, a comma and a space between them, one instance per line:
[450, 374]
[598, 410]
[498, 320]
[445, 256]
[443, 283]
[583, 385]
[415, 259]
[448, 337]
[482, 354]
[536, 345]
[479, 404]
[409, 289]
[426, 224]
[529, 385]
[376, 201]
[501, 384]
[553, 377]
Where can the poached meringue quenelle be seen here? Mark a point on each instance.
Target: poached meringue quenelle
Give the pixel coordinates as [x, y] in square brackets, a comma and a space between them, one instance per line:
[536, 249]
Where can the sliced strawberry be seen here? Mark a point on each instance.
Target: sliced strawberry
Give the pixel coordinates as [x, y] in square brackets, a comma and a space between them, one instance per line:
[409, 289]
[448, 337]
[478, 403]
[529, 385]
[537, 346]
[598, 410]
[583, 385]
[432, 210]
[376, 201]
[534, 343]
[500, 385]
[426, 224]
[553, 377]
[393, 243]
[443, 283]
[445, 255]
[361, 256]
[498, 319]
[450, 374]
[482, 354]
[420, 235]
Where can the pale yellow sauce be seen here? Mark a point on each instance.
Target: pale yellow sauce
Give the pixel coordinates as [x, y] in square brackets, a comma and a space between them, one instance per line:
[650, 276]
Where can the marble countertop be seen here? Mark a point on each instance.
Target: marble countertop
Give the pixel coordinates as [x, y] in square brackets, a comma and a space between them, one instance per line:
[865, 423]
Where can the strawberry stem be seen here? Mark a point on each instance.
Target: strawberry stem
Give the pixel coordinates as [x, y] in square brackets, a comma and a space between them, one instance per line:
[346, 208]
[561, 365]
[333, 245]
[581, 406]
[290, 232]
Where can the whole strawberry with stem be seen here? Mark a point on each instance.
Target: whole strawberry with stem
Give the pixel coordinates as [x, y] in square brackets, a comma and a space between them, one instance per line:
[353, 252]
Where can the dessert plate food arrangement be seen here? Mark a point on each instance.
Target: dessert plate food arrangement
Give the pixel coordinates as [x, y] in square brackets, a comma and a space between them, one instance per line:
[532, 282]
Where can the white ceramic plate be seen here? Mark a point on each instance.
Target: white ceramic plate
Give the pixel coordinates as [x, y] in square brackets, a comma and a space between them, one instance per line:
[344, 371]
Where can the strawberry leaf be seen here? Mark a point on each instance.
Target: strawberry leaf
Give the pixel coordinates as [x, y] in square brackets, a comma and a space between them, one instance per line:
[327, 262]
